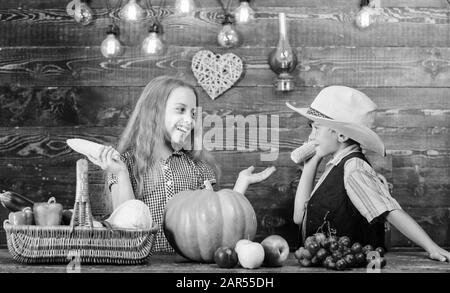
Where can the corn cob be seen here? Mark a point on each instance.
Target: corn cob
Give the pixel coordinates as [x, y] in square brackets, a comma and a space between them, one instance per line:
[303, 153]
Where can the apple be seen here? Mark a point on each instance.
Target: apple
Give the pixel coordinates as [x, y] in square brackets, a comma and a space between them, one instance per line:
[225, 257]
[250, 255]
[276, 250]
[241, 243]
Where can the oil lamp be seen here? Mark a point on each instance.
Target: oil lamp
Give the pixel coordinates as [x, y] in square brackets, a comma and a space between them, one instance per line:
[283, 59]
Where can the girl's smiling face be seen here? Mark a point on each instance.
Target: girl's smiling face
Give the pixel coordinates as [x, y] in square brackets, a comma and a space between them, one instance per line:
[325, 139]
[180, 115]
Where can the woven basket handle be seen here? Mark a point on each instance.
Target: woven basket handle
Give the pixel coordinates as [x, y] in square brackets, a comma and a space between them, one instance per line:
[82, 215]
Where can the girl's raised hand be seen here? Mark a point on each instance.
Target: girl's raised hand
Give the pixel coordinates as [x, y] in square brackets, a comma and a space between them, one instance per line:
[246, 177]
[250, 178]
[108, 161]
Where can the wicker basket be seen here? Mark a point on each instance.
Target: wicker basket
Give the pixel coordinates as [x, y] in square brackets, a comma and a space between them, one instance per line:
[60, 244]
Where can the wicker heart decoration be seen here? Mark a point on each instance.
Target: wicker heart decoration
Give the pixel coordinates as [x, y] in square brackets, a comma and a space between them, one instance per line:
[216, 73]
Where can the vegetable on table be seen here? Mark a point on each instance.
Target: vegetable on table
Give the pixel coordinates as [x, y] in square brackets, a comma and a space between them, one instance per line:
[48, 213]
[15, 202]
[24, 217]
[67, 217]
[132, 214]
[198, 222]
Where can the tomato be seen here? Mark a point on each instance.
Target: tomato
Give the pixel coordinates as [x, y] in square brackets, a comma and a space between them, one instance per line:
[225, 257]
[356, 248]
[344, 241]
[380, 250]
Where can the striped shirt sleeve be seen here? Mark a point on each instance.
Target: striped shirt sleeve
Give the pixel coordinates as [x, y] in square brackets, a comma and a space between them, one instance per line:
[366, 190]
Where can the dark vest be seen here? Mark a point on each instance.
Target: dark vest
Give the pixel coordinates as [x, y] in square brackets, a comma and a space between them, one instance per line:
[332, 197]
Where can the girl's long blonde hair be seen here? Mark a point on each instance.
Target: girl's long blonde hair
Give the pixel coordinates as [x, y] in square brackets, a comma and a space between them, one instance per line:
[145, 130]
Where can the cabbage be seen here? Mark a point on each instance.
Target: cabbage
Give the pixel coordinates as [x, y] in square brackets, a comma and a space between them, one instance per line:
[132, 214]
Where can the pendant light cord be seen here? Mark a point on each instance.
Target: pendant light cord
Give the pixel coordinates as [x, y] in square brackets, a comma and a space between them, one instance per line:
[149, 5]
[108, 8]
[226, 9]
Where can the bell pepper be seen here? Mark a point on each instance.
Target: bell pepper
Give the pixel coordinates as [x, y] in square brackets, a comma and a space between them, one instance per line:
[48, 213]
[24, 217]
[66, 217]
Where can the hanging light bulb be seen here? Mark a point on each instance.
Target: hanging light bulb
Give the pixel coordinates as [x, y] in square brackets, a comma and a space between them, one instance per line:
[83, 13]
[283, 59]
[244, 13]
[132, 12]
[152, 44]
[184, 7]
[111, 46]
[228, 37]
[366, 16]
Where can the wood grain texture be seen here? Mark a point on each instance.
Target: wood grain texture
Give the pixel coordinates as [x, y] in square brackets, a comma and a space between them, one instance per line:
[397, 262]
[319, 66]
[48, 4]
[111, 106]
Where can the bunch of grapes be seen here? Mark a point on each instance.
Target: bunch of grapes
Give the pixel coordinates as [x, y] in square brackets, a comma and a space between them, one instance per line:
[335, 253]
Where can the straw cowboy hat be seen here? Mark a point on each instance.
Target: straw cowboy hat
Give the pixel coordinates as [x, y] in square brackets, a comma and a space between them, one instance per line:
[347, 111]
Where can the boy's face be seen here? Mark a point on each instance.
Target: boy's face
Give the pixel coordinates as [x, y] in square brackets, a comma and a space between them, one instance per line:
[180, 115]
[325, 139]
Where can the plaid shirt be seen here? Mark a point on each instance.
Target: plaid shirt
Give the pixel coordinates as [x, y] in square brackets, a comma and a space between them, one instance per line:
[177, 173]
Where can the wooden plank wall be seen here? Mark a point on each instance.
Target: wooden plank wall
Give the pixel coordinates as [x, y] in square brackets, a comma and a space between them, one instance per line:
[54, 84]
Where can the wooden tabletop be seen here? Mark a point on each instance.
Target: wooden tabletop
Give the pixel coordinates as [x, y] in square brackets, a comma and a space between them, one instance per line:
[397, 262]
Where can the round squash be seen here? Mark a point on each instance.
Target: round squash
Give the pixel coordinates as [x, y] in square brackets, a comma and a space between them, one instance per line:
[198, 222]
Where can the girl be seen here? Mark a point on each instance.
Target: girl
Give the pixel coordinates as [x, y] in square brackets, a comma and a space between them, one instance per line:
[155, 164]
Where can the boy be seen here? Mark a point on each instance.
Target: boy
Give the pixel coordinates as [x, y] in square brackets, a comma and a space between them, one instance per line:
[349, 193]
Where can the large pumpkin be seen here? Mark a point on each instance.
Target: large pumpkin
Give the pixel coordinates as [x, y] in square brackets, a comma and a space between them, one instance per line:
[197, 222]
